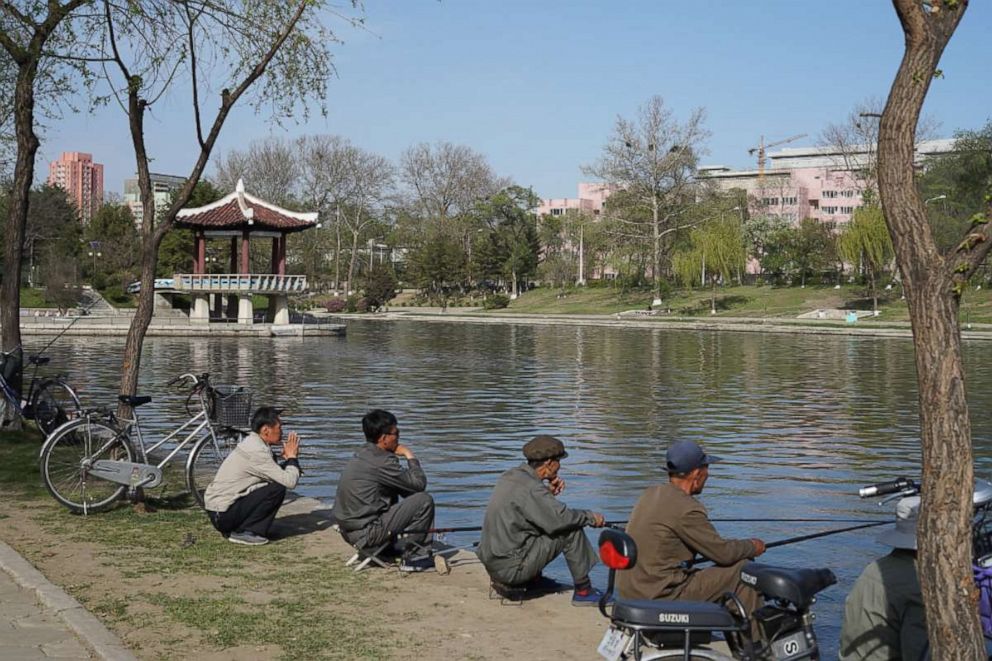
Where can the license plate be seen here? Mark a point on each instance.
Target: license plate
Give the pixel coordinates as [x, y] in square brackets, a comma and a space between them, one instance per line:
[794, 643]
[613, 644]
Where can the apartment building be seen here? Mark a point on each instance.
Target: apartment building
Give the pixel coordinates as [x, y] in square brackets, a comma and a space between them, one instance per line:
[81, 178]
[162, 187]
[590, 199]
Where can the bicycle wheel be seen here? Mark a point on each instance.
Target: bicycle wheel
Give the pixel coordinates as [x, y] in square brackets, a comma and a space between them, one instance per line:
[65, 461]
[205, 459]
[55, 403]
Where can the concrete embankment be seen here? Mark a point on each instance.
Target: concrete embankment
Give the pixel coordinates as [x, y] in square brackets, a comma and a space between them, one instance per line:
[117, 326]
[736, 324]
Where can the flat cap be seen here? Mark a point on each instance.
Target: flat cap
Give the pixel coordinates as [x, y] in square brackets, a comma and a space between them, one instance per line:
[544, 447]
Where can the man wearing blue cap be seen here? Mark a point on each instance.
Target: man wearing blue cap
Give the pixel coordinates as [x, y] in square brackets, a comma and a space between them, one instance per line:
[670, 527]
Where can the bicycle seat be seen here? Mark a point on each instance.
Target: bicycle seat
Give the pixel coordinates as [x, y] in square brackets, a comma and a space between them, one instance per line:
[135, 401]
[39, 360]
[797, 586]
[659, 614]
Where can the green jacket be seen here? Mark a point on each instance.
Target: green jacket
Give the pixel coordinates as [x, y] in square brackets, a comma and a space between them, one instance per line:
[522, 508]
[883, 616]
[670, 528]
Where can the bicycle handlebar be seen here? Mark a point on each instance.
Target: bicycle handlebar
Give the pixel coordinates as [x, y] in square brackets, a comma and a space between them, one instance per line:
[189, 376]
[885, 488]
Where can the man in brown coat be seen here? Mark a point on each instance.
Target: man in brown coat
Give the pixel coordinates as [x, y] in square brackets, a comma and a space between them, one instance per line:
[670, 527]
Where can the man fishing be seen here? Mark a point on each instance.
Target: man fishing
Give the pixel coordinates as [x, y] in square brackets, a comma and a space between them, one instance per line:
[526, 527]
[670, 527]
[377, 498]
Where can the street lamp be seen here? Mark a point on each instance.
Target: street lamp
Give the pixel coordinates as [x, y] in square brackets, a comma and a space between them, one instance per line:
[94, 254]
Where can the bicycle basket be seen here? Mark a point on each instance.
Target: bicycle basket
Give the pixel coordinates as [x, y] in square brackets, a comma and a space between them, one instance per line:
[230, 406]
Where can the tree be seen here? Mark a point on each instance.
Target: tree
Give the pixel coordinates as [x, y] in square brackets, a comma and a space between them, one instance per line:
[956, 184]
[379, 286]
[514, 239]
[30, 33]
[437, 265]
[281, 47]
[865, 243]
[654, 158]
[112, 232]
[446, 180]
[934, 284]
[53, 234]
[810, 246]
[270, 168]
[717, 254]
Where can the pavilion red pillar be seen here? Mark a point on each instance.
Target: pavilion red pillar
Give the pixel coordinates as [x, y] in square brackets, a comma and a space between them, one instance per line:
[245, 254]
[274, 262]
[282, 254]
[234, 255]
[201, 254]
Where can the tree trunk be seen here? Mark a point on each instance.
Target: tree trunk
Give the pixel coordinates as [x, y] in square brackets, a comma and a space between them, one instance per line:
[351, 262]
[17, 214]
[656, 231]
[337, 255]
[933, 285]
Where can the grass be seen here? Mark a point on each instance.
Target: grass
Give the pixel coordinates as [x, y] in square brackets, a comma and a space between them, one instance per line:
[743, 301]
[170, 562]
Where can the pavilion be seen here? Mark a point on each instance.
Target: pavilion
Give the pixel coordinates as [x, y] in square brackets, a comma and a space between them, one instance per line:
[237, 219]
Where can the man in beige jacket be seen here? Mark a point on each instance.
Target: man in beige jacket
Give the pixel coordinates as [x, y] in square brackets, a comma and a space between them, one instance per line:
[670, 527]
[244, 496]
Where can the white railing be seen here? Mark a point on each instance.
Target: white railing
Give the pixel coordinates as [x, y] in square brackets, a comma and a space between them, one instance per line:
[253, 283]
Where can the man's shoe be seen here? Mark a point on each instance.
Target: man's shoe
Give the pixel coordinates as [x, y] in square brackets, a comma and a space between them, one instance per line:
[587, 597]
[247, 538]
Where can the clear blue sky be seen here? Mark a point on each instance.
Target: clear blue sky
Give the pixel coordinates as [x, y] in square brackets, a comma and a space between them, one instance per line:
[536, 85]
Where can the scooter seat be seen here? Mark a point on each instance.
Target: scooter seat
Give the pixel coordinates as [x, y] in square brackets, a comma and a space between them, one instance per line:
[798, 586]
[658, 614]
[134, 401]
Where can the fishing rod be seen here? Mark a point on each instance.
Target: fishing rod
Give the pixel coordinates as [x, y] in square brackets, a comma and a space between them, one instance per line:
[807, 520]
[83, 313]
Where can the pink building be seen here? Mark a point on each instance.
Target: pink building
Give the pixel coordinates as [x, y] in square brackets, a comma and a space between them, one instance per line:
[808, 182]
[77, 174]
[591, 198]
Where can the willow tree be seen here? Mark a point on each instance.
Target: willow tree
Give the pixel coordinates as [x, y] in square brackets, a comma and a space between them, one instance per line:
[864, 242]
[717, 253]
[275, 51]
[934, 283]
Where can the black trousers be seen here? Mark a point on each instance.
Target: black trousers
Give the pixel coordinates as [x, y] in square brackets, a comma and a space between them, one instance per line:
[253, 512]
[413, 513]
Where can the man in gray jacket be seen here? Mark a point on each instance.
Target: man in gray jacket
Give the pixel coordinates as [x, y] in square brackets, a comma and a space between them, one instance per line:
[244, 496]
[526, 527]
[368, 506]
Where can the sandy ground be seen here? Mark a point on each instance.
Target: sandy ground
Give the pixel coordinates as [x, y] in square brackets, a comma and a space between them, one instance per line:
[432, 616]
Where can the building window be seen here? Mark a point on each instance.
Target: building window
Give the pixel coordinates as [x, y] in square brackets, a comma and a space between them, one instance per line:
[789, 201]
[847, 193]
[847, 210]
[770, 201]
[557, 212]
[830, 210]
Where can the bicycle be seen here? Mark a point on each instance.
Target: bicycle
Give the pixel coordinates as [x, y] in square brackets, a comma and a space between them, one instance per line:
[50, 401]
[88, 463]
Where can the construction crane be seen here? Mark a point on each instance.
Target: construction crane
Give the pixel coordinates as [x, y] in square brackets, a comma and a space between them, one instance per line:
[761, 151]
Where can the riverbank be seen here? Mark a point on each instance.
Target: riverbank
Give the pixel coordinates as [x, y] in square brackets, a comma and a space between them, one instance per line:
[170, 587]
[118, 326]
[863, 327]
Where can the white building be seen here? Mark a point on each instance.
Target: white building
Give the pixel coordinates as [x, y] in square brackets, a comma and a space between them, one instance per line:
[162, 187]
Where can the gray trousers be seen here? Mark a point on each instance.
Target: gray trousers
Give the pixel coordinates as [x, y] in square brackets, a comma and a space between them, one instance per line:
[413, 513]
[579, 554]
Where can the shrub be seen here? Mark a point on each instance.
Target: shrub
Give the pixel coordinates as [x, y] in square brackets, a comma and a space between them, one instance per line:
[351, 305]
[335, 305]
[363, 305]
[496, 302]
[380, 287]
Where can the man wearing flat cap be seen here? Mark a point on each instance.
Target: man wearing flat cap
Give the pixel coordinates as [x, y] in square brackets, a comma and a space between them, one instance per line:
[670, 527]
[526, 526]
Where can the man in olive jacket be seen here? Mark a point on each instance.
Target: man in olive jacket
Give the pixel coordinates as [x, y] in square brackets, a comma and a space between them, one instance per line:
[670, 527]
[526, 527]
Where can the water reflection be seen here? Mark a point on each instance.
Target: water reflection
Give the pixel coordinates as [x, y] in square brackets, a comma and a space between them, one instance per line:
[801, 420]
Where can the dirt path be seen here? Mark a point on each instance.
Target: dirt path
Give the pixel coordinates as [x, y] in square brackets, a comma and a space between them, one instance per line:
[205, 598]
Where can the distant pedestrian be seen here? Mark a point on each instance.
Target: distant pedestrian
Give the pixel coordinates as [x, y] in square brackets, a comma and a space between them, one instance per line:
[248, 490]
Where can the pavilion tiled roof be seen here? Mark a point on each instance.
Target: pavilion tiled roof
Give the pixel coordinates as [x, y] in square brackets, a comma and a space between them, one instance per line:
[241, 211]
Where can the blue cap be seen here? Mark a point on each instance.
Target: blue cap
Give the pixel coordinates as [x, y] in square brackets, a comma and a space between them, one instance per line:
[685, 456]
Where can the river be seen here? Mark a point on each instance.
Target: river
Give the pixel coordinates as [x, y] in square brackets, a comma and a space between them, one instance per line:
[801, 421]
